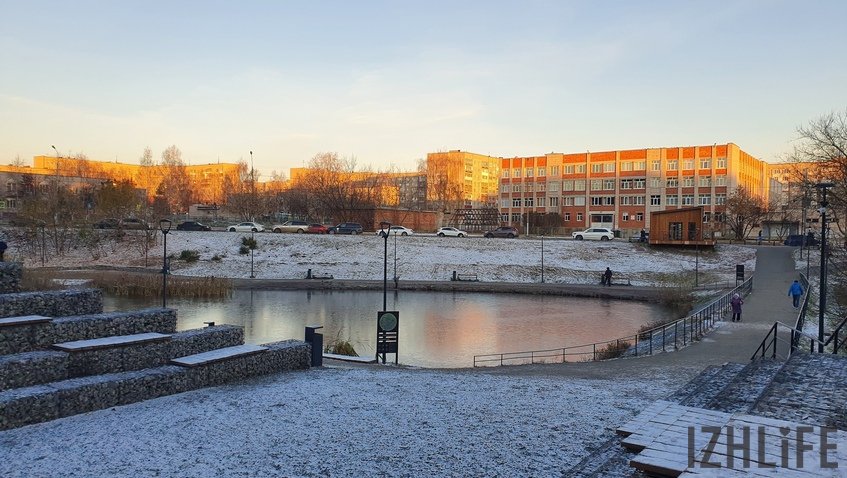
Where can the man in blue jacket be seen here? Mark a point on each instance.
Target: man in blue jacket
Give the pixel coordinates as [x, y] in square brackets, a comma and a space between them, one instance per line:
[796, 291]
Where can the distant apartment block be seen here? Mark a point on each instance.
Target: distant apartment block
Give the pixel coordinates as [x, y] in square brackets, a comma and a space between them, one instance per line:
[462, 179]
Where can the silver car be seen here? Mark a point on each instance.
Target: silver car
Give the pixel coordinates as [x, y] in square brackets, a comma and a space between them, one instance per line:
[246, 227]
[451, 231]
[595, 233]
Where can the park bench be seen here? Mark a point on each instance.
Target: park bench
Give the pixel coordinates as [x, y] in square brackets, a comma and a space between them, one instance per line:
[310, 275]
[219, 355]
[618, 279]
[464, 277]
[111, 342]
[24, 320]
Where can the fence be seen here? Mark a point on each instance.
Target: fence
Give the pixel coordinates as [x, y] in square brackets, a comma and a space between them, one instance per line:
[675, 334]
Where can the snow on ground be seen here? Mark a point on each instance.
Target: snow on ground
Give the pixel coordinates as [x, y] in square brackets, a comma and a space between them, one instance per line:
[419, 257]
[341, 422]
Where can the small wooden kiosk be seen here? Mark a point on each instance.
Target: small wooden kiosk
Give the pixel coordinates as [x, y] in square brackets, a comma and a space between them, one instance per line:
[678, 227]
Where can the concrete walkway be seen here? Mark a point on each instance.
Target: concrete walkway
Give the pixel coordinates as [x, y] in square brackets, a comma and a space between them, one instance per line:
[729, 342]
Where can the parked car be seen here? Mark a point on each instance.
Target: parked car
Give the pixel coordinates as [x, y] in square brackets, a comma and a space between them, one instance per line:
[246, 227]
[128, 223]
[503, 231]
[133, 223]
[346, 228]
[316, 228]
[291, 226]
[450, 231]
[595, 233]
[395, 230]
[108, 223]
[192, 226]
[801, 240]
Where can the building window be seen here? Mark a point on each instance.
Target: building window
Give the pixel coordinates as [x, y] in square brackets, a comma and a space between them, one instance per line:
[673, 182]
[639, 216]
[626, 200]
[529, 172]
[608, 200]
[517, 172]
[655, 200]
[554, 201]
[673, 165]
[529, 187]
[579, 201]
[596, 200]
[655, 182]
[553, 186]
[11, 188]
[687, 199]
[516, 202]
[542, 202]
[541, 172]
[720, 180]
[554, 170]
[504, 203]
[505, 173]
[609, 184]
[638, 200]
[688, 182]
[580, 169]
[596, 168]
[639, 183]
[567, 217]
[567, 185]
[672, 200]
[567, 201]
[516, 188]
[569, 169]
[625, 216]
[504, 188]
[528, 202]
[579, 185]
[626, 183]
[721, 163]
[705, 199]
[541, 187]
[626, 166]
[705, 181]
[707, 217]
[596, 184]
[579, 217]
[720, 198]
[705, 163]
[608, 167]
[687, 164]
[639, 166]
[656, 165]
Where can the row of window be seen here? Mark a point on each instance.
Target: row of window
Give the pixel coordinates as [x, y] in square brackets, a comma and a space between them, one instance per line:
[609, 184]
[609, 167]
[516, 218]
[655, 200]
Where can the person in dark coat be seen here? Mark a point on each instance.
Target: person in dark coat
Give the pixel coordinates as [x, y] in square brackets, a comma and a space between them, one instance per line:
[607, 277]
[643, 237]
[736, 303]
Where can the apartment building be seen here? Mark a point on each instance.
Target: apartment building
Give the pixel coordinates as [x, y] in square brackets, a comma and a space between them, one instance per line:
[620, 189]
[462, 179]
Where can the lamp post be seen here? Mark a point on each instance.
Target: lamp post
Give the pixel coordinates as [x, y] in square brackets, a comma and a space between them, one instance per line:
[395, 261]
[823, 187]
[165, 227]
[696, 265]
[252, 248]
[252, 188]
[385, 227]
[542, 258]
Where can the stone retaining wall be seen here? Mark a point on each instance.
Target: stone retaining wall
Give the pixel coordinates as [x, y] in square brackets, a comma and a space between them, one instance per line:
[40, 403]
[32, 368]
[59, 303]
[10, 277]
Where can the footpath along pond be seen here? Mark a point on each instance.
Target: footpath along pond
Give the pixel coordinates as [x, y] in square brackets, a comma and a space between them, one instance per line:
[437, 329]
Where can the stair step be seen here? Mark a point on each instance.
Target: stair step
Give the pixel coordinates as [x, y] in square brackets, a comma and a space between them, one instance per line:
[744, 390]
[709, 384]
[24, 320]
[111, 342]
[206, 358]
[32, 368]
[116, 354]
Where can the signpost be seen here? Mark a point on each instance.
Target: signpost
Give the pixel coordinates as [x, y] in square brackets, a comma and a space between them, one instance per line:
[739, 273]
[387, 333]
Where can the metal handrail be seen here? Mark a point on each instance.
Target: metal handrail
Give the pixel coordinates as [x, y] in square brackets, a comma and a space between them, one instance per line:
[688, 328]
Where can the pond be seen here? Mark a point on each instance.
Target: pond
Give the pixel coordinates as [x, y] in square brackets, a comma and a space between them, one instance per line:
[437, 329]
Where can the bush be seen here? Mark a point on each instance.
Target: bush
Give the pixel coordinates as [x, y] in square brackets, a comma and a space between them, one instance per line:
[217, 258]
[248, 242]
[613, 350]
[243, 250]
[189, 256]
[340, 347]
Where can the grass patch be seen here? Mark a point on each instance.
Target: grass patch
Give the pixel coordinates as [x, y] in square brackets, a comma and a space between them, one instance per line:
[34, 281]
[340, 346]
[189, 256]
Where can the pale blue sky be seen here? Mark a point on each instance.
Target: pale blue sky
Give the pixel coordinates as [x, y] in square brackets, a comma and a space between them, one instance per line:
[389, 81]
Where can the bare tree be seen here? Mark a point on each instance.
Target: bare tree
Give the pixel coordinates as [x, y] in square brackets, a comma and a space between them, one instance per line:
[744, 211]
[176, 185]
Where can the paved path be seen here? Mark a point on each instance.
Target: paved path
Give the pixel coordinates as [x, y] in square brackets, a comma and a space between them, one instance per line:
[730, 342]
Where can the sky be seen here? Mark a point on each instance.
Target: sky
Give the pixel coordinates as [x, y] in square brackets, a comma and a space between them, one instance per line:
[386, 82]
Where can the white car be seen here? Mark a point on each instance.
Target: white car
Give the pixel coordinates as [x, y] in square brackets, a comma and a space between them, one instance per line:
[450, 231]
[396, 230]
[291, 226]
[246, 227]
[595, 233]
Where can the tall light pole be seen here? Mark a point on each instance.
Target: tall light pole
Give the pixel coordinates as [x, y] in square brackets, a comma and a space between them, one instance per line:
[542, 258]
[165, 227]
[252, 247]
[395, 261]
[57, 163]
[252, 188]
[822, 304]
[385, 227]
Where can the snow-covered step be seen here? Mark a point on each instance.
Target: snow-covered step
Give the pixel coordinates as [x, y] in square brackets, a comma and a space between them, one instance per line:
[219, 355]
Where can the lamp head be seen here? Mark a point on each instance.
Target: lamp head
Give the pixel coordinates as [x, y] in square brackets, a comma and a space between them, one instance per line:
[165, 225]
[824, 185]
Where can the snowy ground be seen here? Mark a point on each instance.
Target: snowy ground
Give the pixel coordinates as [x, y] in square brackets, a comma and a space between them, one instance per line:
[289, 256]
[341, 422]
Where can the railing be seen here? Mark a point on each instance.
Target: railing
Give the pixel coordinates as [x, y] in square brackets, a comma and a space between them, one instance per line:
[680, 332]
[770, 344]
[801, 316]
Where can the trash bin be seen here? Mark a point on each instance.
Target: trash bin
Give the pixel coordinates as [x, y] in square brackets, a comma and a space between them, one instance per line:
[317, 342]
[617, 232]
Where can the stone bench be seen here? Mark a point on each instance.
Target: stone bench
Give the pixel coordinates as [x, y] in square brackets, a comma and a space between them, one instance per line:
[116, 353]
[24, 320]
[212, 356]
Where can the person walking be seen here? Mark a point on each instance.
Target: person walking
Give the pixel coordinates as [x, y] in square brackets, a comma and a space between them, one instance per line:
[795, 291]
[736, 302]
[759, 239]
[607, 277]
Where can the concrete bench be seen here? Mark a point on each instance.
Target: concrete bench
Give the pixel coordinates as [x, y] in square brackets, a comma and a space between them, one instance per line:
[24, 320]
[110, 342]
[219, 355]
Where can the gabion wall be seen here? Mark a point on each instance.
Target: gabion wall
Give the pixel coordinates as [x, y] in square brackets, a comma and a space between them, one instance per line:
[58, 303]
[10, 277]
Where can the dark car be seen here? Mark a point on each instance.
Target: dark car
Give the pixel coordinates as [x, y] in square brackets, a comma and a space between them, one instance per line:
[504, 231]
[192, 226]
[133, 223]
[346, 228]
[317, 229]
[108, 223]
[801, 240]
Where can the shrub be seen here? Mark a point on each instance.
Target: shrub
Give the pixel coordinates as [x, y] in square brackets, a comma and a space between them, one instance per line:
[613, 350]
[248, 242]
[189, 256]
[243, 250]
[217, 258]
[340, 347]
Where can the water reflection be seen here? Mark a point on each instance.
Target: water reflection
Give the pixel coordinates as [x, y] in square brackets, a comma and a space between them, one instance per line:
[436, 329]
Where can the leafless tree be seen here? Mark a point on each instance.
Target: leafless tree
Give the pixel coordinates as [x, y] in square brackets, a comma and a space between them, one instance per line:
[176, 185]
[744, 211]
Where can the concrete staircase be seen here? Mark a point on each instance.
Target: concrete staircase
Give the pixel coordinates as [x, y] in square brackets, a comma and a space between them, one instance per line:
[53, 367]
[807, 388]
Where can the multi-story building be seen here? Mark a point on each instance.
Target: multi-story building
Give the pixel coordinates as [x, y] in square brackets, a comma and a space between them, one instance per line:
[620, 189]
[462, 179]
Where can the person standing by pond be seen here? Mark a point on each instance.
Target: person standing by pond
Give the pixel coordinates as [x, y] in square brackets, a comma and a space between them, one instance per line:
[795, 291]
[736, 303]
[607, 277]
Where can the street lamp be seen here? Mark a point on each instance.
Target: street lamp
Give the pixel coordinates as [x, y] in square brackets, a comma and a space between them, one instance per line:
[385, 227]
[252, 247]
[165, 227]
[822, 304]
[395, 262]
[542, 258]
